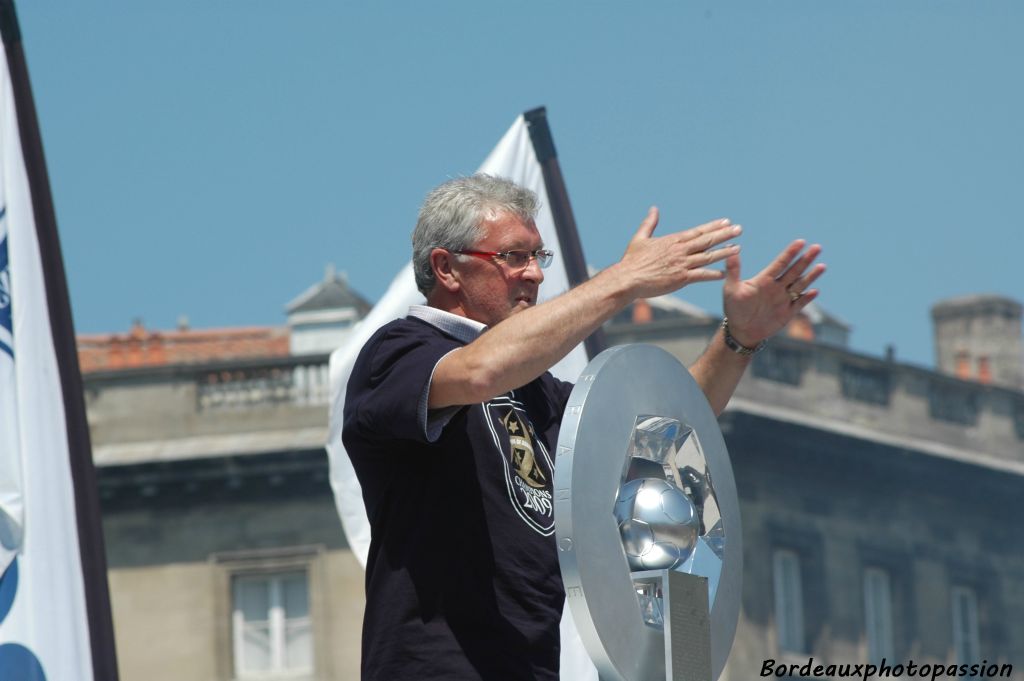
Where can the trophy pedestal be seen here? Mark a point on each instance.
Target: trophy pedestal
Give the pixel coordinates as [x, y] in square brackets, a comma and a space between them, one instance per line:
[682, 610]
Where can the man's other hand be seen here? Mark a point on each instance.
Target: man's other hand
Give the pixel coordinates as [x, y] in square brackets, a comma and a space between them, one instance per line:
[760, 306]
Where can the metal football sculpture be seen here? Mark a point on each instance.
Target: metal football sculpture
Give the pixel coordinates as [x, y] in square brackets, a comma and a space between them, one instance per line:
[647, 520]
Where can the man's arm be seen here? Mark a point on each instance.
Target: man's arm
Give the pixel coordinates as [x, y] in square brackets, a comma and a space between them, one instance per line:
[521, 348]
[718, 371]
[757, 308]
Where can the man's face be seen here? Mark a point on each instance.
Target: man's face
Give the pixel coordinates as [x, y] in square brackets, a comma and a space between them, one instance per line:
[491, 290]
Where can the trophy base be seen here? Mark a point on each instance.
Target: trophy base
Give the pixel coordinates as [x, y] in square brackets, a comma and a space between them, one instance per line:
[685, 620]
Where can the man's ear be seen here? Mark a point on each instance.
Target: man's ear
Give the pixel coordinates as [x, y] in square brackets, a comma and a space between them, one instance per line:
[442, 262]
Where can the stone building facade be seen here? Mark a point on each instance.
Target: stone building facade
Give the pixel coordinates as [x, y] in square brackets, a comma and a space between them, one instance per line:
[877, 501]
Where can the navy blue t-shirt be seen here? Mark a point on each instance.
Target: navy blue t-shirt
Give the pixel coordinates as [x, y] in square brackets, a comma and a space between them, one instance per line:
[462, 580]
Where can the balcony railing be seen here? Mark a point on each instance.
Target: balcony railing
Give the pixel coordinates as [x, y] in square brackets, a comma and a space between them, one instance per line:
[245, 387]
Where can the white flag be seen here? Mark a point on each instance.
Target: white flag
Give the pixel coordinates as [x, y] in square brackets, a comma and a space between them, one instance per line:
[514, 158]
[44, 633]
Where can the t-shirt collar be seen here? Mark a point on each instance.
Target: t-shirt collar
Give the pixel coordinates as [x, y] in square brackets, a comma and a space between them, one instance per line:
[461, 328]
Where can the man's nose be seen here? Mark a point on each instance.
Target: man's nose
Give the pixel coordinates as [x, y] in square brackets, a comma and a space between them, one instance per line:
[533, 272]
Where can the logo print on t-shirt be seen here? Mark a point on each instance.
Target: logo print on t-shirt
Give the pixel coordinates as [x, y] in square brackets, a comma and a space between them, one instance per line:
[527, 467]
[519, 438]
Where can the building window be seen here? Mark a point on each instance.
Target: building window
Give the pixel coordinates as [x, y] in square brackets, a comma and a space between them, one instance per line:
[865, 384]
[271, 627]
[789, 601]
[878, 615]
[782, 365]
[965, 626]
[953, 404]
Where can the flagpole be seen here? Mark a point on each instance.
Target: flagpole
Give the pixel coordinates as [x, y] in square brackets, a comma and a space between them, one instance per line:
[561, 211]
[83, 472]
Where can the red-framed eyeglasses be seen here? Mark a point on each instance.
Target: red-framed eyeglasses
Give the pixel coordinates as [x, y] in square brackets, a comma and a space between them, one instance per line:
[516, 260]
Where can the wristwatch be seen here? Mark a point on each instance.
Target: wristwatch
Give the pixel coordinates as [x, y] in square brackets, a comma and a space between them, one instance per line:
[735, 346]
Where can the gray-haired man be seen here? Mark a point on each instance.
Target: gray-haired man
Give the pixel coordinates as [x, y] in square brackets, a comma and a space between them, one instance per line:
[450, 429]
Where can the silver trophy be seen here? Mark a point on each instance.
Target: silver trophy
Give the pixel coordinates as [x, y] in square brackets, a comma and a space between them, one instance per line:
[647, 520]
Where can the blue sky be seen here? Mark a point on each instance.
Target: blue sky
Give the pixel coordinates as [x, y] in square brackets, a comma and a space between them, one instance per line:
[209, 159]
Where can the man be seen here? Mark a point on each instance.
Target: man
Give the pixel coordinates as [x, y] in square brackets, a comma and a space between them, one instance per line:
[451, 418]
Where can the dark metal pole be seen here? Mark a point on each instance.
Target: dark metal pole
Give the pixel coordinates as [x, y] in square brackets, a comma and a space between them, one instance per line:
[83, 472]
[561, 211]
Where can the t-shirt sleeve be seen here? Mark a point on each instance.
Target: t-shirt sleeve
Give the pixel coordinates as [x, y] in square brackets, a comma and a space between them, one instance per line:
[389, 387]
[434, 420]
[562, 391]
[556, 393]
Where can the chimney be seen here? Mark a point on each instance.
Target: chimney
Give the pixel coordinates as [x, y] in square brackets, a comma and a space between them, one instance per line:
[979, 338]
[890, 352]
[642, 312]
[800, 327]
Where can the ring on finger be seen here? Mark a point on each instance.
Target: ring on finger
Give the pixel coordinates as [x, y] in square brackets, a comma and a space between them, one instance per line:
[794, 296]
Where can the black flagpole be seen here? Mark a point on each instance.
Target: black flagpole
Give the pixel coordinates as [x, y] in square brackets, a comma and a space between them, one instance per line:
[83, 473]
[561, 211]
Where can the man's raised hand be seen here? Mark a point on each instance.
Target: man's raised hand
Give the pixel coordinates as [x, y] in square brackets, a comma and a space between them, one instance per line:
[660, 265]
[760, 306]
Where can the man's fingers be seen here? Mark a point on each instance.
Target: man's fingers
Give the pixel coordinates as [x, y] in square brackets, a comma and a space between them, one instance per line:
[647, 226]
[803, 282]
[706, 275]
[732, 268]
[709, 235]
[705, 258]
[777, 267]
[792, 274]
[804, 300]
